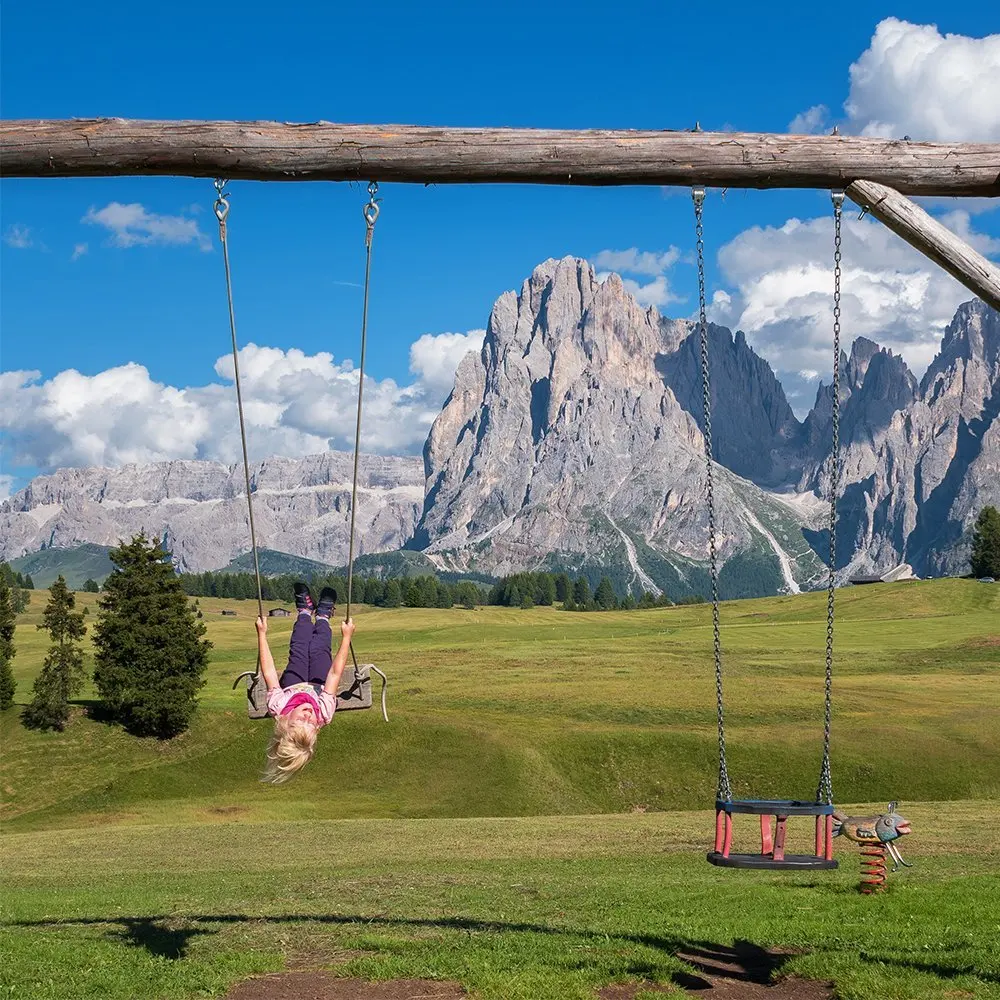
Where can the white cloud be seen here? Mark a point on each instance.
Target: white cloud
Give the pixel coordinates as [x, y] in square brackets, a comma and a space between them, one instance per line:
[18, 236]
[783, 296]
[434, 358]
[131, 225]
[649, 264]
[295, 404]
[634, 261]
[79, 250]
[6, 486]
[912, 80]
[813, 120]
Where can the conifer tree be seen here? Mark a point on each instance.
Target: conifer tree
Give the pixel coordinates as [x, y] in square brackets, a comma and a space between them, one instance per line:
[986, 544]
[62, 671]
[604, 596]
[7, 621]
[393, 594]
[581, 593]
[564, 588]
[151, 656]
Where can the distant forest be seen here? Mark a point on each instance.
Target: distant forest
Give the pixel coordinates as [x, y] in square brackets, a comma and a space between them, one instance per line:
[520, 590]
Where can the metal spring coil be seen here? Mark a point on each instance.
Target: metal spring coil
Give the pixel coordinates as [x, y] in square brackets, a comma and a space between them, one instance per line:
[873, 869]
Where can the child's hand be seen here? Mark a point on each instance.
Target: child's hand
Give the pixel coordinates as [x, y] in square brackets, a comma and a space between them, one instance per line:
[261, 626]
[347, 628]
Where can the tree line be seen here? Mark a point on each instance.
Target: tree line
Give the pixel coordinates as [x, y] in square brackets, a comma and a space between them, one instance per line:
[150, 653]
[425, 591]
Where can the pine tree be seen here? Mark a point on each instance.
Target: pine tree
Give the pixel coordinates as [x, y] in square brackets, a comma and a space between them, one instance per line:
[91, 586]
[986, 544]
[604, 596]
[563, 587]
[151, 656]
[7, 621]
[581, 593]
[546, 593]
[62, 671]
[393, 594]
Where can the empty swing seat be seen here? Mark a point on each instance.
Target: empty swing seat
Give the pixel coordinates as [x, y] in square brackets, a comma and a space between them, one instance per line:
[772, 842]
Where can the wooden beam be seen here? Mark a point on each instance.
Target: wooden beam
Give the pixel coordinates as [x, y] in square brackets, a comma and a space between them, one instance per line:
[931, 238]
[104, 147]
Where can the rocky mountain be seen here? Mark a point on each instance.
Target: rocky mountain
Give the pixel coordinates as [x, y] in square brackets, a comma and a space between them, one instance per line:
[574, 441]
[577, 431]
[924, 460]
[300, 506]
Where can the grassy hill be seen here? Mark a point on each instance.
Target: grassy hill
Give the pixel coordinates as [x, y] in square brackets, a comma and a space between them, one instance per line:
[506, 712]
[520, 825]
[76, 565]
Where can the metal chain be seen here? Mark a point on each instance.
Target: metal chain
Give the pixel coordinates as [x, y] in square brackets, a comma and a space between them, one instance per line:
[724, 792]
[824, 792]
[221, 208]
[370, 213]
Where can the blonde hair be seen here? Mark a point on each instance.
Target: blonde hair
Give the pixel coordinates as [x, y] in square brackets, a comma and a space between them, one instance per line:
[290, 749]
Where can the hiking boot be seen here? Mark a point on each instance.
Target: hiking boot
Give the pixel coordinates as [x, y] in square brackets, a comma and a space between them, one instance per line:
[303, 598]
[327, 602]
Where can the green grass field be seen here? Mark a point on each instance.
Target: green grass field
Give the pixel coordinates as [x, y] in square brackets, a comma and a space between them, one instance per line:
[138, 868]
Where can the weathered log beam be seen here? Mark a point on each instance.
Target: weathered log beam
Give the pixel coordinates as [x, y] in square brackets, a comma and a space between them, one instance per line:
[931, 238]
[325, 151]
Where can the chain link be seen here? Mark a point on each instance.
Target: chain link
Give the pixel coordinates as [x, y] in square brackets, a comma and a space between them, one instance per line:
[724, 792]
[824, 792]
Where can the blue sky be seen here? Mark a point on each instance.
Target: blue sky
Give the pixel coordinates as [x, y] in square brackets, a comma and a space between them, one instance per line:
[92, 287]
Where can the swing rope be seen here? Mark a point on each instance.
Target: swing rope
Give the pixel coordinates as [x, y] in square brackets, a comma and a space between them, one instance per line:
[370, 212]
[221, 209]
[824, 793]
[724, 792]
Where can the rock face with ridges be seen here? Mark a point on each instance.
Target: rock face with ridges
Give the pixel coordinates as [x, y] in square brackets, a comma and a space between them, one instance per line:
[917, 478]
[575, 437]
[565, 434]
[301, 506]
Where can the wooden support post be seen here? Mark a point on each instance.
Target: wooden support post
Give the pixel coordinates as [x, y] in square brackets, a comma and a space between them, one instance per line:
[931, 238]
[280, 151]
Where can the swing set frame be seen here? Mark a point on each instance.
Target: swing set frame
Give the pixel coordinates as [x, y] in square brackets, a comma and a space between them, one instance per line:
[877, 174]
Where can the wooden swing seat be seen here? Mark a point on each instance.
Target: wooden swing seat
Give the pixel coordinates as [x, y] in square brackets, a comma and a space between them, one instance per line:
[772, 855]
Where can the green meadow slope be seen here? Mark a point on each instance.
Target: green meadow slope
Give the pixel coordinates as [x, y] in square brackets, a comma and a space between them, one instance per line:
[501, 712]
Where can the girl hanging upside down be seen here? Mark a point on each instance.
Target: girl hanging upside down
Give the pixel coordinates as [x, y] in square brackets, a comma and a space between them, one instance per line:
[305, 698]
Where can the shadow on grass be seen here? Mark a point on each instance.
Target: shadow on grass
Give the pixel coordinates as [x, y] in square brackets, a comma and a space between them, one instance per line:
[157, 937]
[169, 937]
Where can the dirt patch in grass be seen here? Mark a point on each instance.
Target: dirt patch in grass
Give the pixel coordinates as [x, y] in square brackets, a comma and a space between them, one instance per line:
[324, 986]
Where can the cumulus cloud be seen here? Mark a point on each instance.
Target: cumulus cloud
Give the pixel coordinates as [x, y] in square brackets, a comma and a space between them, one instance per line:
[813, 120]
[18, 236]
[646, 264]
[914, 81]
[131, 225]
[295, 404]
[434, 358]
[783, 280]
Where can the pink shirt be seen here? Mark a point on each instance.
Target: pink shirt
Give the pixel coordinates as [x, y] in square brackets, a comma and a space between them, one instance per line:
[325, 704]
